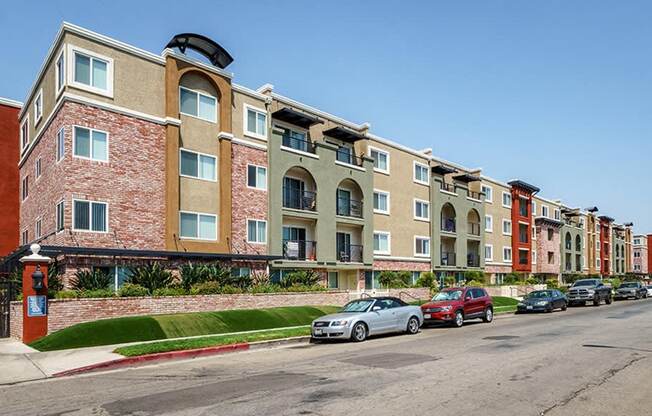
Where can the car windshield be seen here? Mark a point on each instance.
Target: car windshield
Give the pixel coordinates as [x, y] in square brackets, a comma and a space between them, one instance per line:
[540, 294]
[357, 306]
[628, 285]
[447, 295]
[586, 283]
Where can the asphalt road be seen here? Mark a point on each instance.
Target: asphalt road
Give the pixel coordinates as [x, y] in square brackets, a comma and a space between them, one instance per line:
[586, 361]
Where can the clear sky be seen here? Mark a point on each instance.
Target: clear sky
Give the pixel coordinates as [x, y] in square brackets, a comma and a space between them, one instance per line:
[556, 93]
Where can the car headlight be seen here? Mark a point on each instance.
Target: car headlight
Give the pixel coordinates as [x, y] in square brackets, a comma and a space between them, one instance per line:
[591, 292]
[542, 303]
[339, 323]
[446, 308]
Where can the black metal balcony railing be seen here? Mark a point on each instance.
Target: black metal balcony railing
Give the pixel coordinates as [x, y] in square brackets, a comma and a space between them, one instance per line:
[298, 144]
[474, 228]
[296, 199]
[475, 195]
[349, 207]
[447, 187]
[472, 260]
[448, 225]
[348, 157]
[447, 259]
[299, 250]
[351, 253]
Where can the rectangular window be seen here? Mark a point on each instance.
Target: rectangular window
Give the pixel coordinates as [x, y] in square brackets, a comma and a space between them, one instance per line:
[92, 71]
[197, 226]
[507, 200]
[257, 231]
[544, 211]
[38, 107]
[25, 237]
[60, 71]
[488, 252]
[197, 165]
[25, 187]
[421, 246]
[256, 177]
[551, 257]
[637, 241]
[37, 229]
[60, 144]
[534, 257]
[24, 134]
[488, 223]
[534, 208]
[381, 202]
[196, 104]
[381, 242]
[557, 215]
[90, 216]
[421, 210]
[295, 139]
[507, 227]
[523, 207]
[60, 216]
[420, 173]
[90, 144]
[488, 192]
[507, 254]
[37, 168]
[381, 160]
[255, 122]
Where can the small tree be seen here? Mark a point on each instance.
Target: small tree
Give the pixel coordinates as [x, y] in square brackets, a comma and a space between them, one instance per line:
[151, 276]
[426, 279]
[450, 281]
[300, 278]
[86, 280]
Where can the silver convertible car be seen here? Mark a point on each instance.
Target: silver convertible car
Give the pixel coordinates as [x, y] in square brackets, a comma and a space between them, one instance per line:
[369, 316]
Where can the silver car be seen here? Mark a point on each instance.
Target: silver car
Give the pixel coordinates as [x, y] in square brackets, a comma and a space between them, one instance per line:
[369, 316]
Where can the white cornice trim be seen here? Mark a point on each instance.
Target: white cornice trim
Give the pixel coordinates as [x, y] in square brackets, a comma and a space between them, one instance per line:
[248, 143]
[318, 112]
[248, 91]
[196, 62]
[11, 103]
[225, 135]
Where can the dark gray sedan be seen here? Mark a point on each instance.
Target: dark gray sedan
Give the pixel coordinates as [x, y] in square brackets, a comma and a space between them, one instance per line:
[543, 301]
[629, 290]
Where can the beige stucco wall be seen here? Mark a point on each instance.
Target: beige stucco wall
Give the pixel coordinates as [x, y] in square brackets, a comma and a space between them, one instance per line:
[498, 213]
[239, 101]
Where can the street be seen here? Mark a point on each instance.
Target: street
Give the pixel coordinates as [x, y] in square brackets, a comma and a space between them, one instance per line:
[586, 361]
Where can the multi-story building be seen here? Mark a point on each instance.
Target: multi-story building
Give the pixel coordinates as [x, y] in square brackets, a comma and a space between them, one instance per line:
[592, 228]
[9, 188]
[572, 244]
[547, 235]
[497, 228]
[640, 254]
[618, 254]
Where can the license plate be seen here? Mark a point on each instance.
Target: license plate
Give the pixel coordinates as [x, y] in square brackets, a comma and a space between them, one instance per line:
[426, 316]
[319, 332]
[529, 307]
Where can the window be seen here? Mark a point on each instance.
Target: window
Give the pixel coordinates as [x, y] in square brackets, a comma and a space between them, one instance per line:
[90, 216]
[421, 246]
[193, 225]
[523, 257]
[240, 271]
[25, 237]
[637, 241]
[523, 207]
[24, 134]
[534, 257]
[507, 227]
[534, 208]
[544, 211]
[256, 177]
[92, 72]
[551, 234]
[637, 254]
[197, 104]
[381, 242]
[25, 187]
[295, 139]
[37, 168]
[381, 202]
[381, 160]
[507, 200]
[489, 223]
[488, 192]
[60, 144]
[507, 254]
[551, 257]
[197, 165]
[90, 144]
[557, 215]
[420, 173]
[534, 233]
[488, 252]
[421, 210]
[38, 106]
[257, 231]
[255, 122]
[37, 229]
[60, 71]
[60, 216]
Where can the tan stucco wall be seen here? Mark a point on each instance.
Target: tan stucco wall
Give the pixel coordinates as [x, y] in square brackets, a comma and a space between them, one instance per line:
[498, 212]
[238, 105]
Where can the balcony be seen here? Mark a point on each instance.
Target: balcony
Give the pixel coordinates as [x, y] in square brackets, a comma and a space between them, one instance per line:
[447, 259]
[472, 260]
[302, 200]
[448, 187]
[349, 207]
[299, 250]
[349, 253]
[296, 143]
[475, 195]
[345, 155]
[448, 218]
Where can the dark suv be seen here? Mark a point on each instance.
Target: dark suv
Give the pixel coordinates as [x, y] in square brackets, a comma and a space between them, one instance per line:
[455, 305]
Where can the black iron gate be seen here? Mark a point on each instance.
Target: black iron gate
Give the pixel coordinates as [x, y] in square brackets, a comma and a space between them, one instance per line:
[7, 294]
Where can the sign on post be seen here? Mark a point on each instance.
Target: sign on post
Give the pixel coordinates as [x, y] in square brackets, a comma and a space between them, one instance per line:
[37, 305]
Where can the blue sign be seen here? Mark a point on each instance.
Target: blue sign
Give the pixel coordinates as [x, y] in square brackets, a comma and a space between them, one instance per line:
[37, 306]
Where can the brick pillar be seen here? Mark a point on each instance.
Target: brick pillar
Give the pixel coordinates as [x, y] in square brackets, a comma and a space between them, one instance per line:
[35, 303]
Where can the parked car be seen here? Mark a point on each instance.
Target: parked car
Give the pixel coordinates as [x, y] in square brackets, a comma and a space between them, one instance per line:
[649, 290]
[589, 290]
[456, 305]
[629, 290]
[543, 301]
[369, 316]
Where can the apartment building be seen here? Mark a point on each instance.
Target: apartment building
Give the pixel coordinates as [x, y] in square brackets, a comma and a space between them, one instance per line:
[640, 254]
[573, 241]
[497, 228]
[9, 188]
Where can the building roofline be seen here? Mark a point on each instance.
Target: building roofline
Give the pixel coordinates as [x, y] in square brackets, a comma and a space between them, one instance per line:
[10, 103]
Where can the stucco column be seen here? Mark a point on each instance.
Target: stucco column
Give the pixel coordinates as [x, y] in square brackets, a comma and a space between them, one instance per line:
[35, 300]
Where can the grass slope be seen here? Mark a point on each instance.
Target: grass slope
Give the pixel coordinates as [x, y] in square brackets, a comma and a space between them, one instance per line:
[499, 301]
[147, 328]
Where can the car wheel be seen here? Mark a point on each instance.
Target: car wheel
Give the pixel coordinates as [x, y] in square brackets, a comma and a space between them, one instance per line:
[359, 332]
[488, 315]
[564, 306]
[413, 325]
[459, 319]
[596, 301]
[608, 300]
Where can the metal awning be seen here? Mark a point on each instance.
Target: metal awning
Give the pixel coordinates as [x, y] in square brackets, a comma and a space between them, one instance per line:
[295, 117]
[466, 178]
[442, 170]
[344, 135]
[524, 185]
[547, 221]
[204, 46]
[606, 218]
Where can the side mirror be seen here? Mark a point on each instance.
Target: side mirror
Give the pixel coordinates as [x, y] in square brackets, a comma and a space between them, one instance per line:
[468, 297]
[375, 308]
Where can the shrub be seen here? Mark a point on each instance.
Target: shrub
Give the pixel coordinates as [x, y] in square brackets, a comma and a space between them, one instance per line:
[395, 280]
[129, 290]
[552, 284]
[426, 279]
[66, 294]
[94, 279]
[301, 278]
[614, 282]
[54, 279]
[532, 281]
[230, 290]
[206, 288]
[170, 291]
[260, 278]
[304, 288]
[218, 273]
[266, 288]
[450, 281]
[191, 274]
[242, 282]
[476, 276]
[475, 283]
[151, 276]
[97, 293]
[513, 279]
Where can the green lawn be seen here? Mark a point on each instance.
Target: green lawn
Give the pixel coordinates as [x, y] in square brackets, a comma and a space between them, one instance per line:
[193, 343]
[500, 301]
[147, 328]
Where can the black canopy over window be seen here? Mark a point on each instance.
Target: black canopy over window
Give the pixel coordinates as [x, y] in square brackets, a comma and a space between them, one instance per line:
[203, 45]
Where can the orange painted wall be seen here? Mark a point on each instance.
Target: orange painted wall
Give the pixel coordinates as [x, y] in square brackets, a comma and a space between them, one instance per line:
[9, 181]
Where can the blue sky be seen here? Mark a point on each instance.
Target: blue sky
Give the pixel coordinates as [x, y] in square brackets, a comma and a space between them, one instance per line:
[556, 93]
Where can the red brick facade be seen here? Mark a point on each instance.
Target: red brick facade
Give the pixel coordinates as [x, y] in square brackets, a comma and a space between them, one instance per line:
[9, 192]
[544, 246]
[398, 265]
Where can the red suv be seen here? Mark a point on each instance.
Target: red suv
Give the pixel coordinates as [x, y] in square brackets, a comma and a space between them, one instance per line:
[457, 304]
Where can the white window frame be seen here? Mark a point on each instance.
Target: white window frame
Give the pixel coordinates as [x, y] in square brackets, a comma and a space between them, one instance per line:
[387, 156]
[511, 229]
[491, 223]
[60, 227]
[198, 155]
[421, 237]
[24, 237]
[511, 255]
[72, 51]
[254, 134]
[534, 208]
[414, 173]
[37, 169]
[389, 242]
[414, 208]
[90, 217]
[545, 211]
[489, 199]
[199, 93]
[378, 211]
[491, 250]
[256, 221]
[534, 257]
[61, 145]
[24, 130]
[534, 232]
[38, 106]
[557, 214]
[60, 57]
[198, 214]
[503, 199]
[24, 188]
[257, 187]
[90, 145]
[38, 228]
